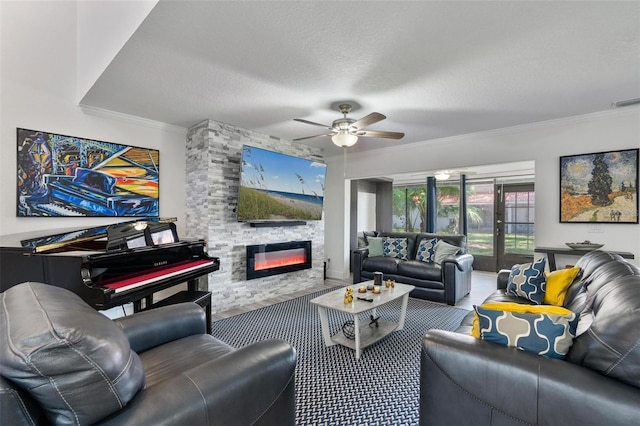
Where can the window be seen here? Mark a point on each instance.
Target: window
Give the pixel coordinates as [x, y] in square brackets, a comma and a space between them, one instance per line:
[409, 208]
[480, 218]
[448, 207]
[519, 214]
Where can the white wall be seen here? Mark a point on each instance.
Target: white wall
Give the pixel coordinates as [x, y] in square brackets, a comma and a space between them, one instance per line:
[366, 211]
[38, 89]
[104, 26]
[543, 143]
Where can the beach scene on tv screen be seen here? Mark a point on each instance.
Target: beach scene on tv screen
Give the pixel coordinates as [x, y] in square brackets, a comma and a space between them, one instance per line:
[275, 186]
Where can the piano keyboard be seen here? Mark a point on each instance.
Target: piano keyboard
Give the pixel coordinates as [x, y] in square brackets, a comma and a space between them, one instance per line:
[58, 210]
[122, 284]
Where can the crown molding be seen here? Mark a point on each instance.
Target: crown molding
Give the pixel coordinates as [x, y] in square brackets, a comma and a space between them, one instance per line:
[547, 124]
[127, 118]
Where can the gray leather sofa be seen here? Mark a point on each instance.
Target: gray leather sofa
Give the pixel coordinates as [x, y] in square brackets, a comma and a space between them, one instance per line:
[64, 363]
[447, 282]
[468, 381]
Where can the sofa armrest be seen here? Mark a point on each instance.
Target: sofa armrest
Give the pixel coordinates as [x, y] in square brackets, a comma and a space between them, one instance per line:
[358, 256]
[502, 279]
[456, 277]
[148, 329]
[468, 381]
[463, 262]
[254, 385]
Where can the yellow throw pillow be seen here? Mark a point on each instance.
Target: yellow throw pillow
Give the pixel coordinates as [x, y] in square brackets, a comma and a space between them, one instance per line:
[558, 283]
[519, 308]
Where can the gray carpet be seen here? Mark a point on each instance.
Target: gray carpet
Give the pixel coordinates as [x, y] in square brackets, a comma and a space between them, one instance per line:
[332, 387]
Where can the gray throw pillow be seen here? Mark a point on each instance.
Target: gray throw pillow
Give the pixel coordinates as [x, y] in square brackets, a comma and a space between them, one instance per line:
[375, 246]
[444, 250]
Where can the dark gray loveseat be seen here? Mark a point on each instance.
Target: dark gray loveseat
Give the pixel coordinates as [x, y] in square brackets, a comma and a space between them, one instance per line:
[447, 282]
[468, 381]
[64, 363]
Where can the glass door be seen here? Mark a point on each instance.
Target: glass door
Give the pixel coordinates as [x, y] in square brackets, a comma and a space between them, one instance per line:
[501, 227]
[481, 219]
[515, 227]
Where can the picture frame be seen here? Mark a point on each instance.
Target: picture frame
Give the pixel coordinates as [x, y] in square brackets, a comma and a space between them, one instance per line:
[67, 176]
[600, 187]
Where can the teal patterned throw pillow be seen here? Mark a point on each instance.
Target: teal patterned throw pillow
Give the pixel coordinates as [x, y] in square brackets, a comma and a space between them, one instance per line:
[427, 250]
[528, 281]
[545, 334]
[395, 247]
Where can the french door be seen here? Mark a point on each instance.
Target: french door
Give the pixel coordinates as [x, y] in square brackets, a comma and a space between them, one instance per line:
[515, 227]
[501, 224]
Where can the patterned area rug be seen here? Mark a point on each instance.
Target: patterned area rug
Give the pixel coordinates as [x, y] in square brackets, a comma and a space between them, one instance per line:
[332, 387]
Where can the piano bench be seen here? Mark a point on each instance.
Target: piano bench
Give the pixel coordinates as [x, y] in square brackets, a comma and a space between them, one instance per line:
[202, 298]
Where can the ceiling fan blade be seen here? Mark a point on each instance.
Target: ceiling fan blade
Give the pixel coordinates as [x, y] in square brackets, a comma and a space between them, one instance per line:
[311, 137]
[368, 120]
[312, 123]
[379, 134]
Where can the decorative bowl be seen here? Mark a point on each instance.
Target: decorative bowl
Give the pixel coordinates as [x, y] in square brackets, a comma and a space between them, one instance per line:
[584, 246]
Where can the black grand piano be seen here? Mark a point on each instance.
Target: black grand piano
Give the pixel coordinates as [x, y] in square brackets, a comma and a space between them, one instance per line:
[109, 265]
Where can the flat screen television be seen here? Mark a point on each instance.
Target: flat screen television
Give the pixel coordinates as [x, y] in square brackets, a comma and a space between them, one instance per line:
[279, 187]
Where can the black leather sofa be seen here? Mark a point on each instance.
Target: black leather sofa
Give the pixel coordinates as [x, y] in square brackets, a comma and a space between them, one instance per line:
[447, 282]
[468, 381]
[64, 363]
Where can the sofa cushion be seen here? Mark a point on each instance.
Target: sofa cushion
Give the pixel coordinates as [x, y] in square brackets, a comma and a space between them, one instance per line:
[74, 361]
[166, 361]
[375, 246]
[558, 283]
[528, 281]
[367, 234]
[420, 270]
[444, 250]
[386, 265]
[427, 250]
[544, 334]
[395, 247]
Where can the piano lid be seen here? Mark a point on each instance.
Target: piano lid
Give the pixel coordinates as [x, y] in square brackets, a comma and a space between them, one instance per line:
[36, 242]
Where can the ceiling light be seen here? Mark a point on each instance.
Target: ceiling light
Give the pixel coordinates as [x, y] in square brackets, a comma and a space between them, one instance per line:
[442, 175]
[626, 102]
[344, 139]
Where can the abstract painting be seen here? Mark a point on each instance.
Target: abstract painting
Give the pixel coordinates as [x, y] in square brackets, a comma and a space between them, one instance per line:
[59, 175]
[601, 187]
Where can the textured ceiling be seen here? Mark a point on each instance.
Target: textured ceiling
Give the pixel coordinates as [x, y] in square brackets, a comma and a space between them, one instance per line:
[435, 69]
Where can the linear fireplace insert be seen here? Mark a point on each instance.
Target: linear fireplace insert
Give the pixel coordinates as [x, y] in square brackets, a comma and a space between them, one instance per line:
[264, 260]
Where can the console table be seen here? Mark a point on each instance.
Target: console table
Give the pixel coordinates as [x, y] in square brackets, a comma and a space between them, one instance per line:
[552, 251]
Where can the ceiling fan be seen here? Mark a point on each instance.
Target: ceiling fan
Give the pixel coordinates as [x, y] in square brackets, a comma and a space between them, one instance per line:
[345, 131]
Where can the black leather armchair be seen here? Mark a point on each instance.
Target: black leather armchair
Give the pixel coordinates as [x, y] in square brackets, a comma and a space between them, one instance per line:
[65, 363]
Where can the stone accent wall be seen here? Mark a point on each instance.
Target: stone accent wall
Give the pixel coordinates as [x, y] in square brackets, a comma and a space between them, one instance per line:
[213, 153]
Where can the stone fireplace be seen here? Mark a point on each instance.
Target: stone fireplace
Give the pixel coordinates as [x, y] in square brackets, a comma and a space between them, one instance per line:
[214, 152]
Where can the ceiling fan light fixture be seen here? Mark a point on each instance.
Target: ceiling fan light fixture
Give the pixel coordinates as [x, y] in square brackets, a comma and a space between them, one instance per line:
[344, 139]
[442, 175]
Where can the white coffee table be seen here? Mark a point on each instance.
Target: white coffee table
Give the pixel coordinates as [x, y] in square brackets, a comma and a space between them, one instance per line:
[365, 335]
